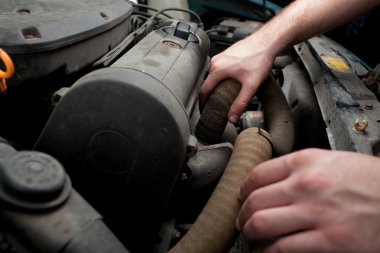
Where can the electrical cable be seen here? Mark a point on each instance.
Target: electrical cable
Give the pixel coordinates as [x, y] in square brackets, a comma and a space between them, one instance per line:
[139, 33]
[150, 8]
[194, 14]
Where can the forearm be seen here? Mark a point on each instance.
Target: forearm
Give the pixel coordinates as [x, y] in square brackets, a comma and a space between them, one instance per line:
[304, 19]
[249, 61]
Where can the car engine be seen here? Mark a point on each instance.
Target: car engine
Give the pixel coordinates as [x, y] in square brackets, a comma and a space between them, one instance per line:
[104, 147]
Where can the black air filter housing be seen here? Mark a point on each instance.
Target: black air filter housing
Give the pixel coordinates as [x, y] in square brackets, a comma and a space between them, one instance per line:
[122, 131]
[49, 36]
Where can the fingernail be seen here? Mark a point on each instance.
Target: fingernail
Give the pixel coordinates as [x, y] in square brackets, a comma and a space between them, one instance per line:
[233, 118]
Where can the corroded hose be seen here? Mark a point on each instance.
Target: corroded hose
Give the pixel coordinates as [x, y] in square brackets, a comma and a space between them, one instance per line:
[214, 118]
[214, 230]
[277, 115]
[278, 118]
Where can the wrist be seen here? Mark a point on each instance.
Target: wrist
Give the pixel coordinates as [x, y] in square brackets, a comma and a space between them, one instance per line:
[267, 43]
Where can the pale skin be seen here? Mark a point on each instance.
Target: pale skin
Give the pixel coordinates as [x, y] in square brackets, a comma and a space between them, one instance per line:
[314, 201]
[311, 200]
[250, 60]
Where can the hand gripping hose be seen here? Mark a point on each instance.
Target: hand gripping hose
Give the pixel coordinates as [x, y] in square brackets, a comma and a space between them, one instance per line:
[278, 119]
[214, 116]
[214, 230]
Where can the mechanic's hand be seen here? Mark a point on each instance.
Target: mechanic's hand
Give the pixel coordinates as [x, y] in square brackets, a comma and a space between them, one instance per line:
[314, 201]
[247, 61]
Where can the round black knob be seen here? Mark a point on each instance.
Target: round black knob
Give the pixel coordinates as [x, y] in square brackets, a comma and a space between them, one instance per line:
[33, 176]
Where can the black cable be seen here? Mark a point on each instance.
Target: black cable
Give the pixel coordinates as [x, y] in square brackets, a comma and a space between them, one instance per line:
[135, 21]
[141, 13]
[150, 8]
[140, 16]
[139, 33]
[200, 23]
[161, 12]
[212, 31]
[130, 40]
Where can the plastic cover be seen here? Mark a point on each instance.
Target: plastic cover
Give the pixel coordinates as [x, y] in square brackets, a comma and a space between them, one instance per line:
[30, 26]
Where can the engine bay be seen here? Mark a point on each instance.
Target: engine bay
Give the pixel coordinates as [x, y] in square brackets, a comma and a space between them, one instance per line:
[104, 147]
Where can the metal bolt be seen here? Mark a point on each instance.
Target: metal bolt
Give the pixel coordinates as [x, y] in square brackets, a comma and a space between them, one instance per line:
[361, 126]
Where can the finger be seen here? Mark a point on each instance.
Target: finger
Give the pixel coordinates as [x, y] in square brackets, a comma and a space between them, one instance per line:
[212, 80]
[266, 173]
[275, 222]
[270, 196]
[241, 102]
[309, 241]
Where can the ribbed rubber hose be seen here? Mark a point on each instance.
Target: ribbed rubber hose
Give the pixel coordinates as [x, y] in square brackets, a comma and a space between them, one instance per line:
[214, 116]
[214, 230]
[277, 115]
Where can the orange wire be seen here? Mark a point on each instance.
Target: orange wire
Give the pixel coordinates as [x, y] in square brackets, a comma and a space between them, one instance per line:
[3, 87]
[8, 73]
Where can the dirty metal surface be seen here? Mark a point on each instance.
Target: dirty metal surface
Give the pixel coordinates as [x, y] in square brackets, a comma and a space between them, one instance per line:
[350, 110]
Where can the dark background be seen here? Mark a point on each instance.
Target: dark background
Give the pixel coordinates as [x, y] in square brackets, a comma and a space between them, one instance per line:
[361, 37]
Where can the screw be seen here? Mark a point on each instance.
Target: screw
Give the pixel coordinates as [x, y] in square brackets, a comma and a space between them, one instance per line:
[361, 126]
